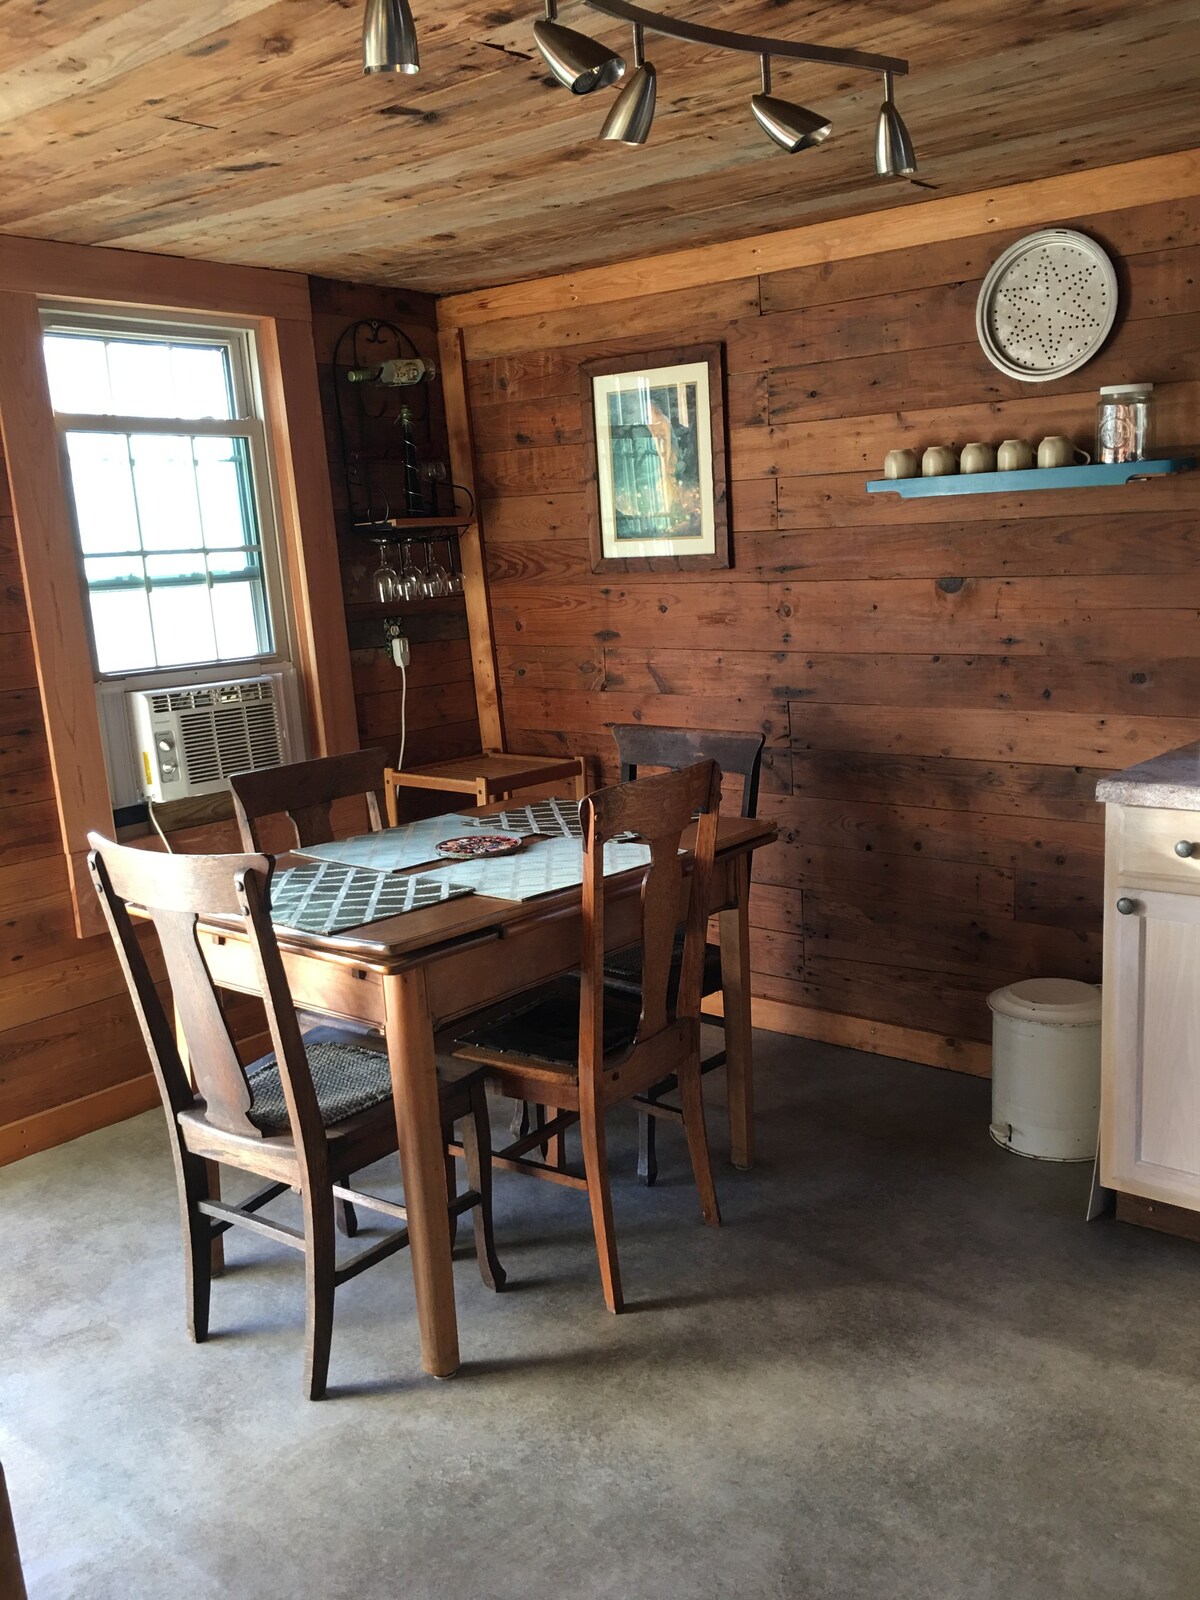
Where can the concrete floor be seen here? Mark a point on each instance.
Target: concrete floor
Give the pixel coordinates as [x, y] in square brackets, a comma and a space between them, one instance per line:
[905, 1367]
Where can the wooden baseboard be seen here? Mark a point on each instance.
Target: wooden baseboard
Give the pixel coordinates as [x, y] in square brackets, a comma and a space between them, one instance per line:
[1156, 1214]
[860, 1033]
[62, 1123]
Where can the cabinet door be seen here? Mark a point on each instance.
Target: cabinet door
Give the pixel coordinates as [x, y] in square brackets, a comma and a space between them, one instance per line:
[1150, 1104]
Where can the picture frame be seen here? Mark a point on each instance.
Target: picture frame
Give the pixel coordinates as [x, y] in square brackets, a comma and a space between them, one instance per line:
[656, 458]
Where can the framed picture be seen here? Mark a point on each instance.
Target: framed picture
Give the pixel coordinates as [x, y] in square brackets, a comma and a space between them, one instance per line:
[654, 434]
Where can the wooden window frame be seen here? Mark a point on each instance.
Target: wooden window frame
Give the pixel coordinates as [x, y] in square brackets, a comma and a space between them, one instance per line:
[277, 304]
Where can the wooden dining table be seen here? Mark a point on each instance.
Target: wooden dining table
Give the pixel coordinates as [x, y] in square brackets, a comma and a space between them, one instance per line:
[412, 975]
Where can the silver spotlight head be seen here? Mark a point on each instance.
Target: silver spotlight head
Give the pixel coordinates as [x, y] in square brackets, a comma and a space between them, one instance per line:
[580, 63]
[389, 38]
[791, 126]
[894, 156]
[629, 120]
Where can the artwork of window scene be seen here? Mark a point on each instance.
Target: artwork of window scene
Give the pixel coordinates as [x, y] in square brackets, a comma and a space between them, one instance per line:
[655, 462]
[654, 459]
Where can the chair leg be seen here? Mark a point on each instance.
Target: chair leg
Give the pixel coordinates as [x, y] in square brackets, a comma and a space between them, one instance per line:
[344, 1213]
[691, 1097]
[477, 1149]
[556, 1151]
[539, 1121]
[647, 1148]
[595, 1165]
[197, 1246]
[320, 1261]
[451, 1178]
[519, 1126]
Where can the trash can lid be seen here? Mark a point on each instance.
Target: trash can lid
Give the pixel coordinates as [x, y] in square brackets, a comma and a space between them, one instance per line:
[1062, 1000]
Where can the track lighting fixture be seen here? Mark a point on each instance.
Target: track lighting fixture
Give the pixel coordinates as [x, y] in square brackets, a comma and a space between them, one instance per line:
[629, 120]
[791, 126]
[583, 64]
[894, 156]
[389, 38]
[580, 63]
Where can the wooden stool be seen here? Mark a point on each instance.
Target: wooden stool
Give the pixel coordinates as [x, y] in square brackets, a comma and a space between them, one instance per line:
[488, 778]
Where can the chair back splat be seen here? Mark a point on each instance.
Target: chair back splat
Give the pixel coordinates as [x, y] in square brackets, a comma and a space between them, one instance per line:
[658, 809]
[174, 892]
[737, 754]
[305, 791]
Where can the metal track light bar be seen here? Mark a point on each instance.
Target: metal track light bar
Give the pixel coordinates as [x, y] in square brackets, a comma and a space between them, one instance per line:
[752, 44]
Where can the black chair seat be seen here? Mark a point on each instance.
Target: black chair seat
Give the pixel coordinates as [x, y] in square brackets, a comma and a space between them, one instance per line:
[348, 1078]
[545, 1026]
[623, 969]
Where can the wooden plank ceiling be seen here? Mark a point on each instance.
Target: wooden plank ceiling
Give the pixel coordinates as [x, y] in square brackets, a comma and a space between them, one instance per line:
[243, 130]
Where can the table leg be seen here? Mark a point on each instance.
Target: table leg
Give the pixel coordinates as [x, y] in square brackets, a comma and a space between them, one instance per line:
[735, 986]
[419, 1130]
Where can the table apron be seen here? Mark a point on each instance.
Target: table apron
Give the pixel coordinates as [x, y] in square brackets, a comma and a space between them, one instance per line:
[462, 977]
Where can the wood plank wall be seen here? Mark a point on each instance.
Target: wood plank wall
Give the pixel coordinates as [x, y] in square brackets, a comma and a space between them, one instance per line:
[940, 683]
[442, 719]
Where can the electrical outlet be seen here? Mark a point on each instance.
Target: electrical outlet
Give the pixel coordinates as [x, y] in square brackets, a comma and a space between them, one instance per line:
[396, 641]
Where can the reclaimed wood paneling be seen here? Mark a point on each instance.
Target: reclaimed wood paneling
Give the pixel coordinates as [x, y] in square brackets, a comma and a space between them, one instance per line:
[941, 683]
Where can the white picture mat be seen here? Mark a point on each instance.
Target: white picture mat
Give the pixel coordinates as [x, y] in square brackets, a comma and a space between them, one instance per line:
[630, 382]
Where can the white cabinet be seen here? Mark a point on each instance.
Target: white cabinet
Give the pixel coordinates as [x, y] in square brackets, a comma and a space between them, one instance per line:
[1150, 1100]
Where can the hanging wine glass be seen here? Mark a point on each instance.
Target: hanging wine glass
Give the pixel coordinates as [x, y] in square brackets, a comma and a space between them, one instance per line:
[454, 574]
[436, 576]
[387, 579]
[407, 584]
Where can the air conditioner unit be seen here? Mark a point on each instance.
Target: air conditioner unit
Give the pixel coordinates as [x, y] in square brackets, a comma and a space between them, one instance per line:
[190, 738]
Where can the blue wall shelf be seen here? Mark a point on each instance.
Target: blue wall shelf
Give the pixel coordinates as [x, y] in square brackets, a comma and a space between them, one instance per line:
[1091, 477]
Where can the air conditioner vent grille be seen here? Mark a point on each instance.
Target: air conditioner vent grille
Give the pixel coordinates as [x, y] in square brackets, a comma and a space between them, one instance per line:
[226, 729]
[214, 694]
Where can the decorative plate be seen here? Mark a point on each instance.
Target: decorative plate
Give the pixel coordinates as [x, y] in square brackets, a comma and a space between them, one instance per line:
[470, 846]
[1047, 305]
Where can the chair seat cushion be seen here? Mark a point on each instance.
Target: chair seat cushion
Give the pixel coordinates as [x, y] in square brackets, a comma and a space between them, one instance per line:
[348, 1079]
[623, 968]
[545, 1025]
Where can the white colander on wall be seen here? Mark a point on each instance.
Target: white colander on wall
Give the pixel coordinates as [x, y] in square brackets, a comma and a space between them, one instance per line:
[1047, 305]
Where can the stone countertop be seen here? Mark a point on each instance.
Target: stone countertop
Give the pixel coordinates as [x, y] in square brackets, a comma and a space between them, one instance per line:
[1171, 781]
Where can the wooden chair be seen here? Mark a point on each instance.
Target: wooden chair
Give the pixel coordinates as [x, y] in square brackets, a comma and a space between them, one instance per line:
[311, 1109]
[578, 1047]
[739, 754]
[304, 792]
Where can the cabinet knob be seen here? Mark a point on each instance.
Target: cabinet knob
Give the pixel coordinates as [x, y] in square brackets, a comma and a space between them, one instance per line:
[1126, 906]
[1184, 848]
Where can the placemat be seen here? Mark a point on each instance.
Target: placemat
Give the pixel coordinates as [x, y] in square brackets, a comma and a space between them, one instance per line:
[329, 897]
[557, 818]
[412, 844]
[543, 866]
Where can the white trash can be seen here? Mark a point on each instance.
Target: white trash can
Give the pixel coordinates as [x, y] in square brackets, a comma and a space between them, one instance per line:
[1046, 1068]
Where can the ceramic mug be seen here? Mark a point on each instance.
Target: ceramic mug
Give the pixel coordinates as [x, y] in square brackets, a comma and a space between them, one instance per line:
[900, 464]
[938, 461]
[1014, 455]
[977, 458]
[1057, 451]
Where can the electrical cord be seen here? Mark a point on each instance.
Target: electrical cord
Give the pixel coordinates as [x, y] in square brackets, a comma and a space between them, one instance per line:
[403, 715]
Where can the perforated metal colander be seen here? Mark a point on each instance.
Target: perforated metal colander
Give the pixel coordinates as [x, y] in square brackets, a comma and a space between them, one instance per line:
[1047, 305]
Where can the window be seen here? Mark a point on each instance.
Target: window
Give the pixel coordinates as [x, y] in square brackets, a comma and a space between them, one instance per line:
[165, 454]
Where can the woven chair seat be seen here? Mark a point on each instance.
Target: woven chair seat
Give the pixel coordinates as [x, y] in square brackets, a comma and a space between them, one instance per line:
[347, 1079]
[545, 1026]
[623, 968]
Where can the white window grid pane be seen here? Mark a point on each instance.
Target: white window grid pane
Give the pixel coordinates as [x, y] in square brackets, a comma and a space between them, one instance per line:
[126, 375]
[189, 621]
